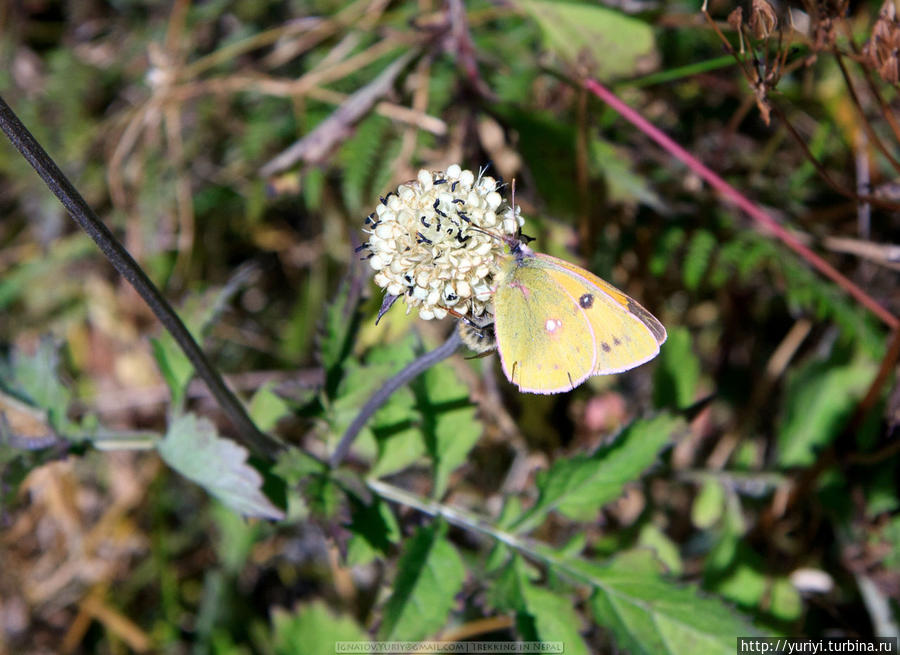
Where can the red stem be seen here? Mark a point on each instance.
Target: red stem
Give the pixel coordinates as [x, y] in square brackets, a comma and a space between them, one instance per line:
[735, 196]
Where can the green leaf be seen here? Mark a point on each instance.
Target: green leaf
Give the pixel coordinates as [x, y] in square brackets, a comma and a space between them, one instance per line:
[193, 448]
[175, 367]
[339, 326]
[324, 495]
[267, 408]
[663, 547]
[578, 487]
[677, 373]
[617, 43]
[398, 450]
[646, 614]
[541, 615]
[360, 156]
[294, 465]
[374, 522]
[35, 378]
[786, 603]
[429, 575]
[455, 429]
[312, 629]
[697, 258]
[399, 441]
[709, 505]
[819, 398]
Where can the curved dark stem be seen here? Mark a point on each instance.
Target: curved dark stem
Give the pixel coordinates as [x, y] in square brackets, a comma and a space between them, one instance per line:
[115, 252]
[412, 370]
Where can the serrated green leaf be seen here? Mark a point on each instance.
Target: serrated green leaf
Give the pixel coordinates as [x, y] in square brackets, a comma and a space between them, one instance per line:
[617, 43]
[555, 619]
[541, 615]
[649, 615]
[193, 448]
[429, 575]
[579, 486]
[455, 429]
[677, 372]
[506, 592]
[312, 629]
[818, 399]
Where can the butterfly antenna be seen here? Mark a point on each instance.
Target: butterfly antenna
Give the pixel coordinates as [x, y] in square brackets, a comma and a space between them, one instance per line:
[524, 238]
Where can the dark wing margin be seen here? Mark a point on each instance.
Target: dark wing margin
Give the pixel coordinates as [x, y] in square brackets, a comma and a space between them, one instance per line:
[656, 328]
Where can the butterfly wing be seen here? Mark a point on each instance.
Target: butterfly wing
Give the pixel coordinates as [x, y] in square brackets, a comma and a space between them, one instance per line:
[557, 324]
[545, 340]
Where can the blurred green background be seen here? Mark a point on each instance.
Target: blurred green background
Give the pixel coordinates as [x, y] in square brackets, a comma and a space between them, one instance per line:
[764, 490]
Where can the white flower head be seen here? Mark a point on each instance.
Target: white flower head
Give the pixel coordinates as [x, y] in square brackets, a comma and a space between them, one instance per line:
[435, 241]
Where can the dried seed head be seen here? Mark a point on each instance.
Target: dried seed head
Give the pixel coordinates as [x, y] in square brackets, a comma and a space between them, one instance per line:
[423, 247]
[736, 19]
[883, 48]
[763, 19]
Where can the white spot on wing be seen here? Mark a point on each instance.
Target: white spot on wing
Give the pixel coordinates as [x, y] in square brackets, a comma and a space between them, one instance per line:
[552, 325]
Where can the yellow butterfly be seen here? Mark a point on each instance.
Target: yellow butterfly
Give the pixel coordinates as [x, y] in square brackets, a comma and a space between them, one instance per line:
[556, 324]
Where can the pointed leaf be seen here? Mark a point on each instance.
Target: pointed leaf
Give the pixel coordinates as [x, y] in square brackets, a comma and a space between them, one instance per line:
[578, 487]
[455, 429]
[647, 614]
[312, 628]
[429, 575]
[818, 400]
[193, 448]
[617, 43]
[541, 615]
